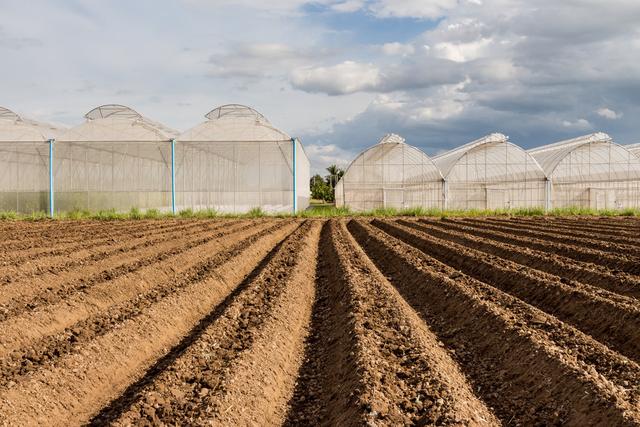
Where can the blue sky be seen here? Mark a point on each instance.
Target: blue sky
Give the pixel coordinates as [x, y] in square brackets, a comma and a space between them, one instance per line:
[339, 74]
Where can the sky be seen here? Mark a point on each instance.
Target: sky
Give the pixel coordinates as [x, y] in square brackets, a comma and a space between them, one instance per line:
[338, 74]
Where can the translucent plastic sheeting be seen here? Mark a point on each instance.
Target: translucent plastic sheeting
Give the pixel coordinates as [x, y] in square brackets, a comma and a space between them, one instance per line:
[492, 173]
[238, 176]
[112, 175]
[24, 176]
[391, 174]
[592, 172]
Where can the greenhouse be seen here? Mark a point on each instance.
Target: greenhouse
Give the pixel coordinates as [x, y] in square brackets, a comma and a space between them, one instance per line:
[390, 174]
[634, 148]
[24, 163]
[117, 159]
[491, 173]
[592, 172]
[236, 161]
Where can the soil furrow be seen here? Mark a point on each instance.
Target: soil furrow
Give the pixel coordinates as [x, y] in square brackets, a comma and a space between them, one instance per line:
[570, 233]
[631, 253]
[614, 320]
[582, 229]
[612, 262]
[218, 379]
[81, 304]
[34, 264]
[498, 244]
[528, 366]
[612, 224]
[46, 351]
[85, 381]
[404, 376]
[27, 295]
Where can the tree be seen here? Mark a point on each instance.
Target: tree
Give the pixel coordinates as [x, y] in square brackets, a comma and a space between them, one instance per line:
[335, 173]
[320, 189]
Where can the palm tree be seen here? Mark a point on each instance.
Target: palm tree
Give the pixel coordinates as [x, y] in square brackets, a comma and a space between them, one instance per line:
[335, 173]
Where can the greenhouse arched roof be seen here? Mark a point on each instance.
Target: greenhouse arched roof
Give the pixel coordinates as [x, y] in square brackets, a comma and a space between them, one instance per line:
[114, 122]
[234, 123]
[551, 155]
[634, 148]
[14, 128]
[447, 161]
[389, 143]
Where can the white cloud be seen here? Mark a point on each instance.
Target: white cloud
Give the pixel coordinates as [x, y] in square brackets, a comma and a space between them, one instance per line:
[608, 113]
[344, 78]
[396, 48]
[411, 8]
[463, 52]
[577, 124]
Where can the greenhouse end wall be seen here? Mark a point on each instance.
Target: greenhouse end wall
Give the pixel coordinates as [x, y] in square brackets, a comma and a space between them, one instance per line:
[24, 176]
[240, 176]
[390, 174]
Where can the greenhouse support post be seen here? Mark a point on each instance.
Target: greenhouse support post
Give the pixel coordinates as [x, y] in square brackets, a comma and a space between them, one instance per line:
[173, 176]
[547, 195]
[51, 191]
[295, 183]
[445, 194]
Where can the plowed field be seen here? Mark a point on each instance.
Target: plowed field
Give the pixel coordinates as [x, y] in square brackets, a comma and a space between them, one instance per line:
[401, 321]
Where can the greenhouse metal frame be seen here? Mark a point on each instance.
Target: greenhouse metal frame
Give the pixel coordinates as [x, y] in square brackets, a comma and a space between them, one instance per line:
[491, 173]
[590, 171]
[634, 148]
[390, 174]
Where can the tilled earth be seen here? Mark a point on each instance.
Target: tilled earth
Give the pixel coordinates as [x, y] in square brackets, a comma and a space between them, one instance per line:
[400, 321]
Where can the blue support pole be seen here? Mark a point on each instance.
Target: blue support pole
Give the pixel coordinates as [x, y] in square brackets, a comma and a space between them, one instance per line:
[173, 176]
[51, 190]
[295, 183]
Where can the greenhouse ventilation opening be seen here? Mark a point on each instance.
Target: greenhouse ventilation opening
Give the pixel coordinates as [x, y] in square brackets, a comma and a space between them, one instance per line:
[591, 171]
[236, 160]
[491, 173]
[390, 174]
[24, 163]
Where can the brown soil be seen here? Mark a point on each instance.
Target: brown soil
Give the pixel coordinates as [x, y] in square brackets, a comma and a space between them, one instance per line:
[512, 321]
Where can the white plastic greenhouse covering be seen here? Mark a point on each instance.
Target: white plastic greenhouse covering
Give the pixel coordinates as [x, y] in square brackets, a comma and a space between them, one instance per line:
[491, 173]
[591, 171]
[634, 148]
[24, 163]
[236, 160]
[117, 159]
[390, 174]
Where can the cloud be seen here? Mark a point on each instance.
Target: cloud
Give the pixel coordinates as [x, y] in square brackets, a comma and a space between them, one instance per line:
[608, 113]
[396, 48]
[344, 78]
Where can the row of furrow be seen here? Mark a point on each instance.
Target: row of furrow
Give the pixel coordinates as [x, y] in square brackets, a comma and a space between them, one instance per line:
[71, 238]
[12, 230]
[500, 244]
[525, 364]
[370, 359]
[631, 253]
[610, 318]
[629, 236]
[48, 349]
[245, 354]
[53, 314]
[571, 233]
[100, 370]
[615, 263]
[611, 224]
[46, 256]
[26, 293]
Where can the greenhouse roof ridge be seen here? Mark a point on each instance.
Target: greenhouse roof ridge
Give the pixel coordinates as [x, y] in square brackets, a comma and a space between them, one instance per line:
[633, 147]
[549, 156]
[448, 159]
[113, 110]
[574, 142]
[392, 138]
[235, 110]
[6, 114]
